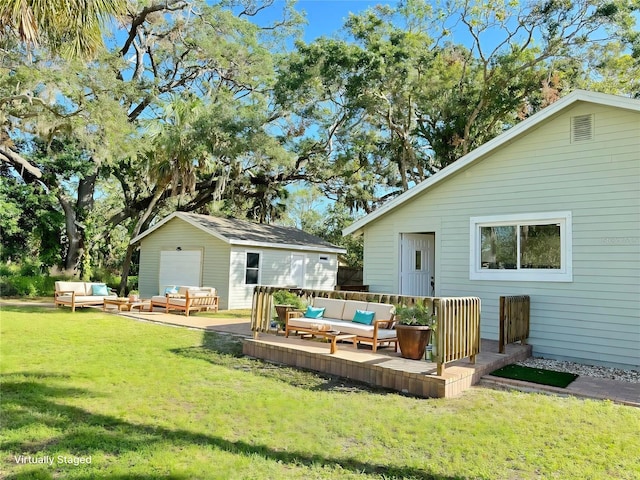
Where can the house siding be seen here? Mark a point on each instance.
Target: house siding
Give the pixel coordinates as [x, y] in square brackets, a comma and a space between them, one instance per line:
[215, 257]
[593, 319]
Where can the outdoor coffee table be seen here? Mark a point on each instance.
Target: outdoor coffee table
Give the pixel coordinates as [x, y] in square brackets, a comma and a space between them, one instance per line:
[124, 304]
[334, 336]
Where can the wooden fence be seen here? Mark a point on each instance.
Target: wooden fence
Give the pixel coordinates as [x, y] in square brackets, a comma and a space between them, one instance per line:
[514, 320]
[458, 318]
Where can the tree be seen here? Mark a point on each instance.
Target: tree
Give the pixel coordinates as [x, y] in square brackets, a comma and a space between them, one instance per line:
[173, 123]
[70, 27]
[29, 222]
[204, 81]
[308, 210]
[402, 100]
[61, 121]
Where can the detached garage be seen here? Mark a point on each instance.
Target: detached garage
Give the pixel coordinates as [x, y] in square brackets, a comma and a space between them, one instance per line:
[233, 256]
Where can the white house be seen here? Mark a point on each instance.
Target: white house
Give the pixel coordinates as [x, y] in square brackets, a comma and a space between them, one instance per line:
[551, 209]
[233, 256]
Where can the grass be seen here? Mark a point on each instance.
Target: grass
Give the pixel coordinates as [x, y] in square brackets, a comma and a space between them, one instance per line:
[146, 401]
[536, 375]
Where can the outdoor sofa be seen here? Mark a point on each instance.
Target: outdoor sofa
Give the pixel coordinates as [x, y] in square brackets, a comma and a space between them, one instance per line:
[187, 299]
[370, 322]
[81, 294]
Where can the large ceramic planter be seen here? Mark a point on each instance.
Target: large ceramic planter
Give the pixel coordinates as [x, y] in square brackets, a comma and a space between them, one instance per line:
[281, 311]
[412, 340]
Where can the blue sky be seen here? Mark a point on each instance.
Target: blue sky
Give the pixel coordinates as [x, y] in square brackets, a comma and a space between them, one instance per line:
[326, 17]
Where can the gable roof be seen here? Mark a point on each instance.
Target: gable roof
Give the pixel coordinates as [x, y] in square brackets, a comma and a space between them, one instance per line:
[243, 232]
[502, 139]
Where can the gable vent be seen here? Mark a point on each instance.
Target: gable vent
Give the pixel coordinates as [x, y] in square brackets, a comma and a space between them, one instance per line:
[582, 128]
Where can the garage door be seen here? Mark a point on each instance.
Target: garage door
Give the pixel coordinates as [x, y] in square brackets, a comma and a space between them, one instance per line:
[180, 268]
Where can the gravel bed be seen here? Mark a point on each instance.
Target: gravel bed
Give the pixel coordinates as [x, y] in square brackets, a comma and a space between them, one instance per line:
[631, 376]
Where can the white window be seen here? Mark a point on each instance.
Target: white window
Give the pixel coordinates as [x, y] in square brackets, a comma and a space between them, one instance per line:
[531, 247]
[252, 269]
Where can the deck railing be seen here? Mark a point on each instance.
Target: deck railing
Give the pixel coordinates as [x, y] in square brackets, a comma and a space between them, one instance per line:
[261, 311]
[458, 329]
[514, 320]
[458, 318]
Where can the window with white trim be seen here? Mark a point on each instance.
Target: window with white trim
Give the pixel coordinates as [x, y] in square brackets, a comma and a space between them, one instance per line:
[252, 268]
[529, 247]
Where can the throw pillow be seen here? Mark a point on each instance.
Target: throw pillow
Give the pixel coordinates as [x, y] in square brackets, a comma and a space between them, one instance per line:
[173, 289]
[364, 317]
[99, 289]
[313, 312]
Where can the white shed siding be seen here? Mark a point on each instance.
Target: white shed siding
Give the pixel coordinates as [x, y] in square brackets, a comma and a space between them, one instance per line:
[275, 269]
[321, 275]
[596, 317]
[177, 233]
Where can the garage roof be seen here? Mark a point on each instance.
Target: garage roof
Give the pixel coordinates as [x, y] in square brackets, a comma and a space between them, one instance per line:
[244, 232]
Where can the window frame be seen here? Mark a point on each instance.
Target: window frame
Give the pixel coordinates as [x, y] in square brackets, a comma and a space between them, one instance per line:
[246, 266]
[563, 274]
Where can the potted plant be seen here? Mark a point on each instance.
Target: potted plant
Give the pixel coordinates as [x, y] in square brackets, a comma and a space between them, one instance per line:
[414, 326]
[286, 301]
[134, 295]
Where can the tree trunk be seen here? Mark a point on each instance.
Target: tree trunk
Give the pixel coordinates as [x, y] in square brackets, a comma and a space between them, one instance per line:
[72, 255]
[126, 268]
[74, 223]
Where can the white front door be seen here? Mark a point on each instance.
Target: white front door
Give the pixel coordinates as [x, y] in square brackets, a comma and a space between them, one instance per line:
[417, 264]
[297, 270]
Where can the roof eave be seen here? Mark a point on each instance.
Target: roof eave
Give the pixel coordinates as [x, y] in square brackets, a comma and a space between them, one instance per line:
[289, 246]
[248, 243]
[184, 217]
[502, 139]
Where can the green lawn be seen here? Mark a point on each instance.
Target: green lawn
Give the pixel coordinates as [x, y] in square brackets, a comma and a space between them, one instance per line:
[145, 401]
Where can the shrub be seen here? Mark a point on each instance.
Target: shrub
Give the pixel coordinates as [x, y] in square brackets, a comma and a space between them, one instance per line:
[27, 286]
[8, 269]
[284, 297]
[30, 269]
[20, 286]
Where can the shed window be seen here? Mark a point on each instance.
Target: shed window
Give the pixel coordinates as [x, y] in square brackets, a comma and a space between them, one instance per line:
[534, 247]
[252, 270]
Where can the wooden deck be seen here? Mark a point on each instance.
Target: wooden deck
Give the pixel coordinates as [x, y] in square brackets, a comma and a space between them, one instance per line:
[385, 368]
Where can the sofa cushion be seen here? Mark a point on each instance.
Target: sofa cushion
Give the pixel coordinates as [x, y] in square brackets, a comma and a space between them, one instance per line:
[86, 299]
[307, 323]
[363, 331]
[364, 317]
[333, 307]
[183, 289]
[99, 289]
[77, 287]
[159, 299]
[350, 309]
[383, 311]
[179, 301]
[314, 312]
[202, 292]
[171, 289]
